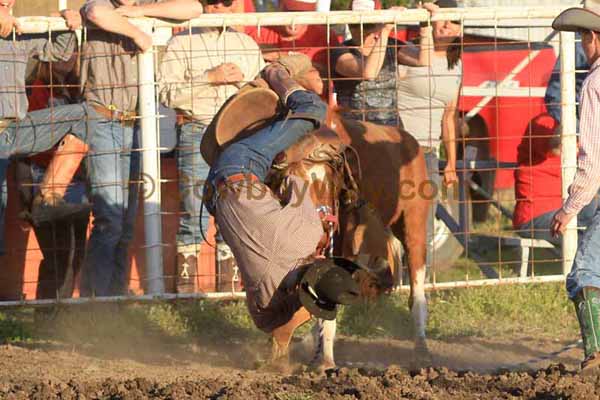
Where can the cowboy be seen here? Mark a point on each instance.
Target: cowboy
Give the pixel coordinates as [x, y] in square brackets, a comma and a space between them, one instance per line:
[274, 239]
[222, 60]
[583, 282]
[23, 133]
[110, 87]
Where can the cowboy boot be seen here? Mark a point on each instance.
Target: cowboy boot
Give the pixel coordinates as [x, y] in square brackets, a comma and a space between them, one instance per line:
[587, 306]
[49, 204]
[187, 268]
[227, 270]
[280, 80]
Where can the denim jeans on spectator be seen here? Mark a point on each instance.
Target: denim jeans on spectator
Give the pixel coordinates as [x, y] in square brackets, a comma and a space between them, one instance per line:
[539, 227]
[113, 169]
[433, 174]
[39, 131]
[255, 154]
[193, 171]
[586, 266]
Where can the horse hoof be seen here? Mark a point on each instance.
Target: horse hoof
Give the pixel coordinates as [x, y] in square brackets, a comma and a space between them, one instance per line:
[422, 356]
[322, 367]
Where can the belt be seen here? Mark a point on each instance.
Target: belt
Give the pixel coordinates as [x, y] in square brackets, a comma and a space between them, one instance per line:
[429, 149]
[182, 119]
[126, 118]
[236, 178]
[5, 123]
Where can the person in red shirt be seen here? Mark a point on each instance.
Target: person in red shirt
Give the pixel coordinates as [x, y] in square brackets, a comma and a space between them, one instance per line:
[311, 40]
[538, 183]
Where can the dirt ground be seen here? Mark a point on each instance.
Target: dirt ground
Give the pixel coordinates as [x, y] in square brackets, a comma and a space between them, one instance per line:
[369, 369]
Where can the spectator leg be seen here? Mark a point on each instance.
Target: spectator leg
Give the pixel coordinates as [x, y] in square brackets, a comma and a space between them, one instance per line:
[108, 169]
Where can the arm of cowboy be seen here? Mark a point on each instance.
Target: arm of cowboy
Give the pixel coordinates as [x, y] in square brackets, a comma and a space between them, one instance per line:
[585, 183]
[7, 23]
[182, 10]
[61, 45]
[103, 14]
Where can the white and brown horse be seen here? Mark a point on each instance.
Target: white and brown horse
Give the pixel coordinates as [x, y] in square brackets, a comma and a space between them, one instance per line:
[378, 190]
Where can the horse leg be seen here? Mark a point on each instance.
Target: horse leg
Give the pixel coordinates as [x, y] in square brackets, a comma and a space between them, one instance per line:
[282, 335]
[324, 336]
[414, 242]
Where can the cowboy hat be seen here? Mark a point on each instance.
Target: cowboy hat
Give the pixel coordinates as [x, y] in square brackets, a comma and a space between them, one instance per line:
[575, 19]
[251, 108]
[327, 283]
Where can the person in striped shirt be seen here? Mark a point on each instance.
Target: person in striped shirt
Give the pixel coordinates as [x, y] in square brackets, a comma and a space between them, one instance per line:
[583, 282]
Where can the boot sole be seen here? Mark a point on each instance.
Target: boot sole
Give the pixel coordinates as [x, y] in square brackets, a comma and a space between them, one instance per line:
[592, 368]
[45, 214]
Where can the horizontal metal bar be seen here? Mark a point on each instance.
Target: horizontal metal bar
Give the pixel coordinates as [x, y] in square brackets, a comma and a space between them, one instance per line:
[512, 14]
[488, 282]
[124, 299]
[242, 295]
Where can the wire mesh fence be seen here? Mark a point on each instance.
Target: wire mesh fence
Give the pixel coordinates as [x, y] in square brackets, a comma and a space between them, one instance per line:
[473, 96]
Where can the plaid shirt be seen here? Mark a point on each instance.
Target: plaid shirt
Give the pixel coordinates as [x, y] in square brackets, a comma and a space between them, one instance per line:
[587, 179]
[269, 242]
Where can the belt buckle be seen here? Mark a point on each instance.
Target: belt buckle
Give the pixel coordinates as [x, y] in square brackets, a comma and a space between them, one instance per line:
[127, 116]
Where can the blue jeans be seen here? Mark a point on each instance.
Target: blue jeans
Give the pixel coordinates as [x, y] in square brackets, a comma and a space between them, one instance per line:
[586, 266]
[193, 171]
[113, 169]
[539, 227]
[432, 163]
[39, 131]
[255, 154]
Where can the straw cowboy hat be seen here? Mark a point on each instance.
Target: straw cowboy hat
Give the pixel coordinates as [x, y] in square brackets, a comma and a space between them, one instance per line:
[253, 107]
[575, 19]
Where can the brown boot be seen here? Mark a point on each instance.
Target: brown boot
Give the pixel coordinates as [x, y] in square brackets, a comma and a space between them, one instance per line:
[280, 81]
[53, 207]
[187, 269]
[63, 166]
[49, 205]
[228, 276]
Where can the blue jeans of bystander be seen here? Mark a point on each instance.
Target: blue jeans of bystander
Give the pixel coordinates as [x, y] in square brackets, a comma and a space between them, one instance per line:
[113, 169]
[586, 266]
[539, 227]
[193, 171]
[433, 173]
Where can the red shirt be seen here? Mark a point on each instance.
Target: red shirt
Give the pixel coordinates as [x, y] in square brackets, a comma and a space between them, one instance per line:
[40, 95]
[538, 176]
[313, 43]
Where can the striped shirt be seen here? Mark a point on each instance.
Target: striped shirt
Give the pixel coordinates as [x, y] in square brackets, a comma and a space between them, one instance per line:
[587, 179]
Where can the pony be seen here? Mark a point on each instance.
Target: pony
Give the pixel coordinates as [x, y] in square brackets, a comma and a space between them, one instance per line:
[370, 182]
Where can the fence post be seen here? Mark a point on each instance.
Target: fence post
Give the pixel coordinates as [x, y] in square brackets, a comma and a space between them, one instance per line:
[568, 138]
[150, 170]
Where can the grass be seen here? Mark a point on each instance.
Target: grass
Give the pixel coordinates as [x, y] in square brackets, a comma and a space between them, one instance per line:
[541, 310]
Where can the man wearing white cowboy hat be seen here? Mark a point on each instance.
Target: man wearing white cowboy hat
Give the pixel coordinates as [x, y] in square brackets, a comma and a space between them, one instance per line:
[583, 282]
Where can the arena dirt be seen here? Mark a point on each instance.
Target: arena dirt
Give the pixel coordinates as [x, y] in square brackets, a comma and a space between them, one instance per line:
[463, 369]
